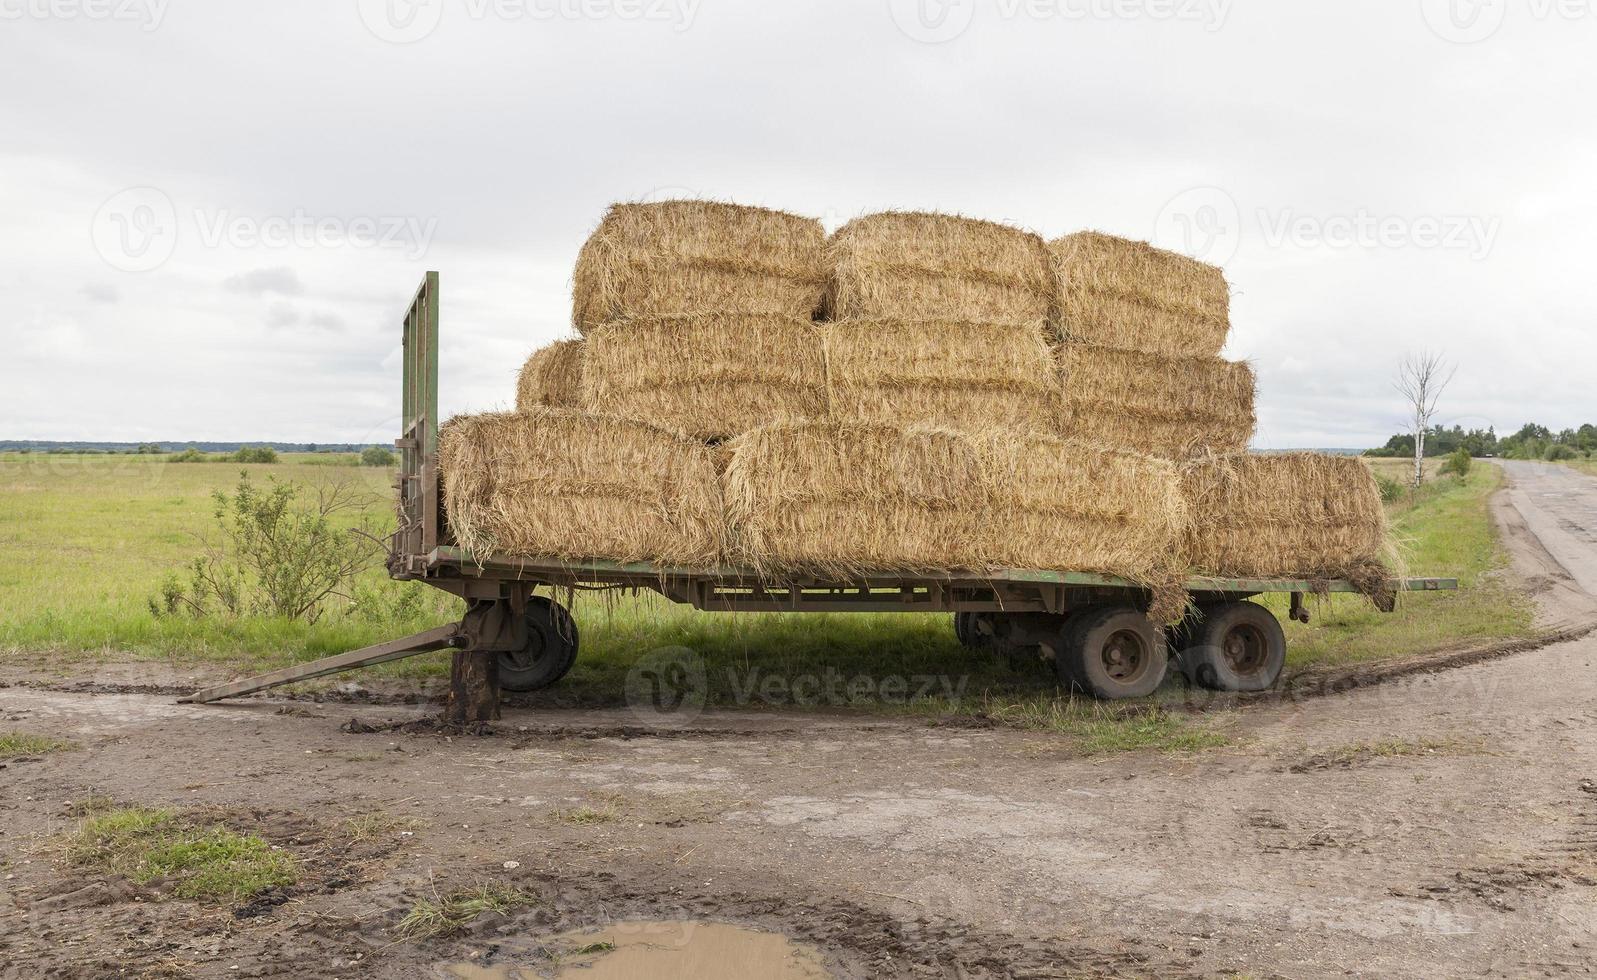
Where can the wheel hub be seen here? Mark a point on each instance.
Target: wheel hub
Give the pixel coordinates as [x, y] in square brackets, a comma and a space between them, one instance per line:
[1245, 648]
[526, 657]
[1124, 656]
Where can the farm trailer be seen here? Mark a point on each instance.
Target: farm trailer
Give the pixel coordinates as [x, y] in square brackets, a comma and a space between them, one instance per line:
[1094, 627]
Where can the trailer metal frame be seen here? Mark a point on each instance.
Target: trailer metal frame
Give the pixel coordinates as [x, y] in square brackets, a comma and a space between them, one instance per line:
[497, 587]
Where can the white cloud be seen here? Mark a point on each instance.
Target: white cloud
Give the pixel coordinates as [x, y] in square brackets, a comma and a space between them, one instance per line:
[277, 279]
[493, 147]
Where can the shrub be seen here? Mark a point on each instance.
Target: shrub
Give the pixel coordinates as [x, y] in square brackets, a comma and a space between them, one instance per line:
[377, 456]
[1558, 451]
[189, 455]
[279, 553]
[1458, 464]
[254, 454]
[1391, 490]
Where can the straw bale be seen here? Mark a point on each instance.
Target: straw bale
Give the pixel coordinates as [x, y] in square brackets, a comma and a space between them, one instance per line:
[558, 483]
[682, 257]
[552, 377]
[918, 265]
[1114, 292]
[710, 376]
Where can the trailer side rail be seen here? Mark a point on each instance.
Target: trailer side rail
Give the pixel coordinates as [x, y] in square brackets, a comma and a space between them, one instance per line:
[733, 588]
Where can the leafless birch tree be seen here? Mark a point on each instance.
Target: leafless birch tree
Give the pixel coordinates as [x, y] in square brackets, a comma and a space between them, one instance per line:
[1421, 379]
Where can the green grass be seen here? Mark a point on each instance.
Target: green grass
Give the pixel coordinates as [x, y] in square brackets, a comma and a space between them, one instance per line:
[102, 532]
[1356, 752]
[15, 745]
[1099, 728]
[206, 863]
[448, 914]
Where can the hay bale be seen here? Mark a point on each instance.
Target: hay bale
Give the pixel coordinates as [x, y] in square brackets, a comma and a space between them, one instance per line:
[1299, 515]
[917, 265]
[1114, 292]
[945, 373]
[552, 377]
[1067, 505]
[844, 499]
[710, 376]
[682, 257]
[556, 483]
[1164, 406]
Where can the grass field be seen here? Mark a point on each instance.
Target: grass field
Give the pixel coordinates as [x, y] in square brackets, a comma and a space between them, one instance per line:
[99, 533]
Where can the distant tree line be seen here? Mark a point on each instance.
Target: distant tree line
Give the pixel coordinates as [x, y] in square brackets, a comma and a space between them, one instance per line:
[368, 456]
[153, 448]
[1530, 442]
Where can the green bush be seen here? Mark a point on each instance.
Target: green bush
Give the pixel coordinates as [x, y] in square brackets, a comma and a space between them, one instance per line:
[254, 454]
[280, 552]
[1391, 490]
[190, 455]
[1559, 451]
[1457, 464]
[377, 456]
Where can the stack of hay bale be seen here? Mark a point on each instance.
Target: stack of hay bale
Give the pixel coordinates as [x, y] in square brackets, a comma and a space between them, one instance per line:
[943, 321]
[696, 324]
[699, 316]
[945, 447]
[972, 398]
[1141, 332]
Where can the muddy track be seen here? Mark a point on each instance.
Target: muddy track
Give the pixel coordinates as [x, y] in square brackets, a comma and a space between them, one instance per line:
[1438, 823]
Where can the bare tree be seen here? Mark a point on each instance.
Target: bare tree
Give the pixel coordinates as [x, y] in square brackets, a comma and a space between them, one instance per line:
[1421, 379]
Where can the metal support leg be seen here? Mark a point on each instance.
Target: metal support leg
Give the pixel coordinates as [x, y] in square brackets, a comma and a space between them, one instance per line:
[409, 646]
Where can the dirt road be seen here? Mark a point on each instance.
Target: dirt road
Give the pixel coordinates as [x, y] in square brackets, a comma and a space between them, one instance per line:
[1440, 825]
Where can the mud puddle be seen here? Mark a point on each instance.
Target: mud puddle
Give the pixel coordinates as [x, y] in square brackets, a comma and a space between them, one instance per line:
[660, 950]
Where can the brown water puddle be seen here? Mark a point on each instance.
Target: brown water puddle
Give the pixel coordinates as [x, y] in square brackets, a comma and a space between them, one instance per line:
[661, 951]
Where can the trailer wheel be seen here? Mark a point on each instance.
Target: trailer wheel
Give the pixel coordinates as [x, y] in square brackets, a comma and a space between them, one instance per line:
[965, 631]
[550, 651]
[1113, 652]
[1235, 646]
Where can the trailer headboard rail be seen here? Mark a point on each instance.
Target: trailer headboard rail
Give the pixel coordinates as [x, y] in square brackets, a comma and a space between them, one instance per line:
[418, 441]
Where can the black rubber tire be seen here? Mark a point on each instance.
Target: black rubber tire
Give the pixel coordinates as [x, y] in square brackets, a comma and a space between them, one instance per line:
[1067, 655]
[550, 651]
[965, 632]
[1115, 652]
[1235, 646]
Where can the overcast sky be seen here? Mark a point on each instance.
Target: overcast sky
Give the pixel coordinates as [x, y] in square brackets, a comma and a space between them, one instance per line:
[214, 214]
